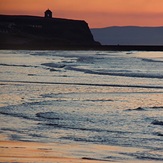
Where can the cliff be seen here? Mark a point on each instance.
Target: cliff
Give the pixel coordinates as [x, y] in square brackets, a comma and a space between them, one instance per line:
[31, 32]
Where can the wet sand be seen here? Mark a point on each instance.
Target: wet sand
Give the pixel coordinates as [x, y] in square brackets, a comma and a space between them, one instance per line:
[25, 152]
[77, 112]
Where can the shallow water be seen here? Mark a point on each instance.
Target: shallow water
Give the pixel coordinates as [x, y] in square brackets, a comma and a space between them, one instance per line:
[90, 97]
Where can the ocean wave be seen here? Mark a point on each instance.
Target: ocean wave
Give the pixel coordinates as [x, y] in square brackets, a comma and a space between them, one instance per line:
[85, 84]
[157, 122]
[12, 65]
[152, 60]
[99, 100]
[86, 59]
[144, 156]
[126, 74]
[146, 108]
[157, 107]
[48, 115]
[72, 122]
[43, 53]
[96, 159]
[158, 133]
[54, 65]
[12, 130]
[137, 109]
[18, 115]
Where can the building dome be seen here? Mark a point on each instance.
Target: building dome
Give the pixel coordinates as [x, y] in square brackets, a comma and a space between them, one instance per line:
[48, 14]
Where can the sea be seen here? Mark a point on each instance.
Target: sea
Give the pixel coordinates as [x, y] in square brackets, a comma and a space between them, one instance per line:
[102, 98]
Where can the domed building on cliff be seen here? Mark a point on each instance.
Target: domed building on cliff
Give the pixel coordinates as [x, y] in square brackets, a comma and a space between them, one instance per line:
[48, 14]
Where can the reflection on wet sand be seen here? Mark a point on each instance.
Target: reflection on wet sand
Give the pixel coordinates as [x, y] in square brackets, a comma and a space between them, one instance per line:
[81, 106]
[24, 152]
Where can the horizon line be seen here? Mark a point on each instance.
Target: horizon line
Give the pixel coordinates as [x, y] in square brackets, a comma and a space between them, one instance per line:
[141, 26]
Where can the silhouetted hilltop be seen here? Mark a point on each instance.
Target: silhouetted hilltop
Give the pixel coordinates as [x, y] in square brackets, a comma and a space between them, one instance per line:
[43, 33]
[129, 35]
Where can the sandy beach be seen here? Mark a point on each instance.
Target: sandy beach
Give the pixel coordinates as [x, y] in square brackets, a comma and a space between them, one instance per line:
[25, 152]
[16, 151]
[81, 107]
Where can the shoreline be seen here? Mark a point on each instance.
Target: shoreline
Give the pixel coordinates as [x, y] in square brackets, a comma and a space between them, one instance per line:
[36, 152]
[77, 47]
[59, 113]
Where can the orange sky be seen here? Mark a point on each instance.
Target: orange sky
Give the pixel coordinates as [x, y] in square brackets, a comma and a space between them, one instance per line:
[97, 13]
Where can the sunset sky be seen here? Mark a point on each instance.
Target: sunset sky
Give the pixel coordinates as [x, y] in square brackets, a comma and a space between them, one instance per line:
[97, 13]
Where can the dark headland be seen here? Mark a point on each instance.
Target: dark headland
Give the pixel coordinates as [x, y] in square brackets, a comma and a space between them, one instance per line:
[40, 33]
[32, 32]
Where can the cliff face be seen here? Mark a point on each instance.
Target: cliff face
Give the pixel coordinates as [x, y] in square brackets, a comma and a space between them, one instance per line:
[39, 32]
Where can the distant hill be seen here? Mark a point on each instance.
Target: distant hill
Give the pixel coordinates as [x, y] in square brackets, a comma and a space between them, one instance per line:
[32, 32]
[129, 35]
